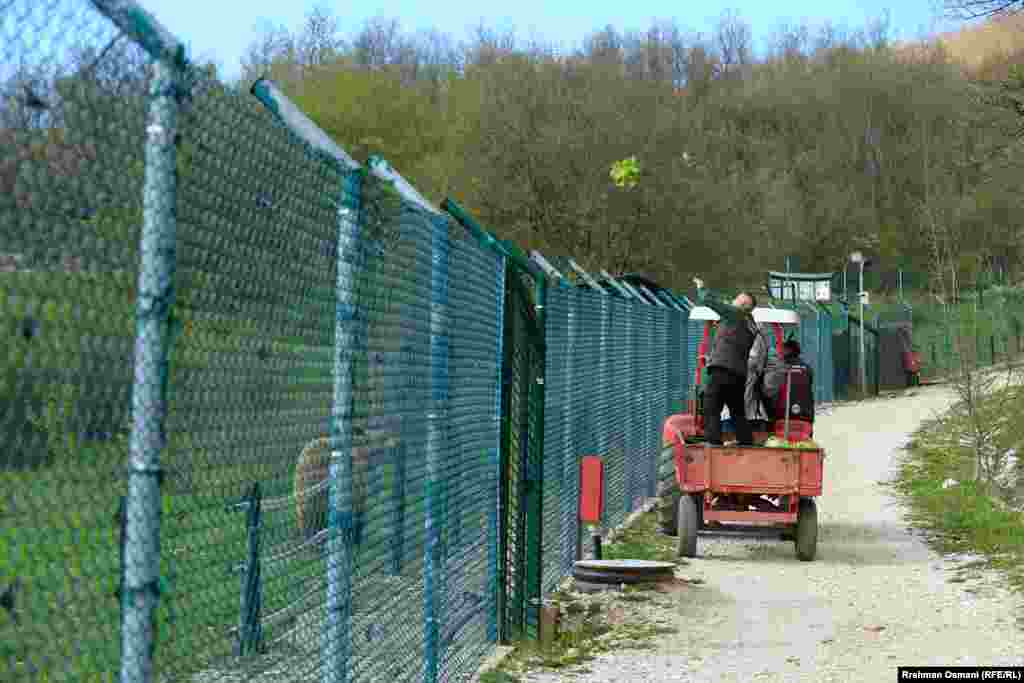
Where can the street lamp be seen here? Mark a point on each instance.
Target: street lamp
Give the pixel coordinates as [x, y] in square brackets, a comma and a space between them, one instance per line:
[859, 259]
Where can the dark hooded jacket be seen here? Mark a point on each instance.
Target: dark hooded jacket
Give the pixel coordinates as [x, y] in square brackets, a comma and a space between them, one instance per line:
[734, 338]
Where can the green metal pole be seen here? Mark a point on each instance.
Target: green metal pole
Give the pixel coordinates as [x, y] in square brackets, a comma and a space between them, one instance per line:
[153, 337]
[535, 509]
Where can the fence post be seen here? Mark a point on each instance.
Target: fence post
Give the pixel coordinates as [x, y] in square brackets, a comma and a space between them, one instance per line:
[336, 637]
[494, 528]
[249, 628]
[535, 530]
[153, 337]
[436, 421]
[992, 347]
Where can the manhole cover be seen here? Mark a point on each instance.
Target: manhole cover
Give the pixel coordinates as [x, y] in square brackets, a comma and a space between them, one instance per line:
[630, 566]
[622, 571]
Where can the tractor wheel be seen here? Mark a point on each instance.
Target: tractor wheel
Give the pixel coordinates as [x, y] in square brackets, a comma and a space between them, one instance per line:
[807, 530]
[686, 526]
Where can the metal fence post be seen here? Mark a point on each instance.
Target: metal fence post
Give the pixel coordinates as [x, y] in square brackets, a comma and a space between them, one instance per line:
[153, 336]
[249, 629]
[436, 421]
[336, 637]
[494, 530]
[149, 392]
[535, 497]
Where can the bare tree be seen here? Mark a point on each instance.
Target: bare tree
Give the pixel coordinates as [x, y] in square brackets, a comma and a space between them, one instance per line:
[487, 46]
[605, 46]
[319, 41]
[734, 41]
[976, 9]
[658, 54]
[791, 43]
[275, 44]
[378, 43]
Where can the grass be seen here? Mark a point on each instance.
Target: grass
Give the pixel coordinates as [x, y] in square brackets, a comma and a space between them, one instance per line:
[588, 631]
[642, 541]
[970, 517]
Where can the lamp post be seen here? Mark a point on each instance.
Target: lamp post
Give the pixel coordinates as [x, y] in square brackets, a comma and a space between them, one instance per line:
[858, 258]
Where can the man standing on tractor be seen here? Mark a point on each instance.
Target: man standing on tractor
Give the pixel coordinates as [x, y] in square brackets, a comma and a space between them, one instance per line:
[727, 369]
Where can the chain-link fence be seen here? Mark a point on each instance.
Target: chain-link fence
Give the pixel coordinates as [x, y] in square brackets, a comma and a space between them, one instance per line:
[266, 413]
[975, 331]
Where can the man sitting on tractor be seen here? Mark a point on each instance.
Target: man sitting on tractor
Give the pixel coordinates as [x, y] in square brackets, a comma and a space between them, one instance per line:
[800, 377]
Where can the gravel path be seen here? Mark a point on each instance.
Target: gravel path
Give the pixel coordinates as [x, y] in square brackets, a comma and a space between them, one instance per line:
[876, 596]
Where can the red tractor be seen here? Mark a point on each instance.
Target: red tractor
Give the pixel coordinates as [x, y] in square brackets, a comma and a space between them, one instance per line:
[743, 485]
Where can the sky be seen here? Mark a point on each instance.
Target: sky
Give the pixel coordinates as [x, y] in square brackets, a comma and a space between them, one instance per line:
[220, 30]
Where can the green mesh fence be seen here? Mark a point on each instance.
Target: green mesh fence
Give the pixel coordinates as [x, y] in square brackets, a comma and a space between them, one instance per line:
[268, 415]
[73, 120]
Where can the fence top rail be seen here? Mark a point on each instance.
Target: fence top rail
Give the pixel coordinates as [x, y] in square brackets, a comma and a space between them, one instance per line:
[267, 92]
[143, 28]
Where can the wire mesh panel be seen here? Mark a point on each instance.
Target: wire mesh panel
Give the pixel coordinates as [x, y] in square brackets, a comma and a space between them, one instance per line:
[470, 459]
[72, 136]
[615, 403]
[647, 391]
[557, 432]
[674, 359]
[661, 400]
[587, 368]
[251, 391]
[809, 346]
[630, 409]
[827, 367]
[676, 353]
[687, 354]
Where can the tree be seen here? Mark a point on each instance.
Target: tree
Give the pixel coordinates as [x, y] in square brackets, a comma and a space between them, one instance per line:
[977, 9]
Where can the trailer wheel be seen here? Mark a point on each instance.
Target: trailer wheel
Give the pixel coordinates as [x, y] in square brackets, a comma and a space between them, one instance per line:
[687, 527]
[807, 530]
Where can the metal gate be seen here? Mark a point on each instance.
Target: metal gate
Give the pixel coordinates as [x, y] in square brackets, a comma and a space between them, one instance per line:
[521, 437]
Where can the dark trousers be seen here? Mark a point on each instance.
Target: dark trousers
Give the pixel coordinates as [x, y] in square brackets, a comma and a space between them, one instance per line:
[726, 389]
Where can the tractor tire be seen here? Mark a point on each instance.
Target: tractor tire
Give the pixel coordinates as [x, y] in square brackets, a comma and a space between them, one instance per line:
[686, 524]
[807, 530]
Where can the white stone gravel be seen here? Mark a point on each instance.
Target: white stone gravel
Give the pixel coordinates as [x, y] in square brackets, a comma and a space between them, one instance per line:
[875, 598]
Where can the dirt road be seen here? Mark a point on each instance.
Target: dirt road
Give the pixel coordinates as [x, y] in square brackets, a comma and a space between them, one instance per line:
[876, 597]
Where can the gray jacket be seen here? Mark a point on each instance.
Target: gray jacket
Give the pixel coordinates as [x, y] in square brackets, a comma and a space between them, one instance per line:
[756, 367]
